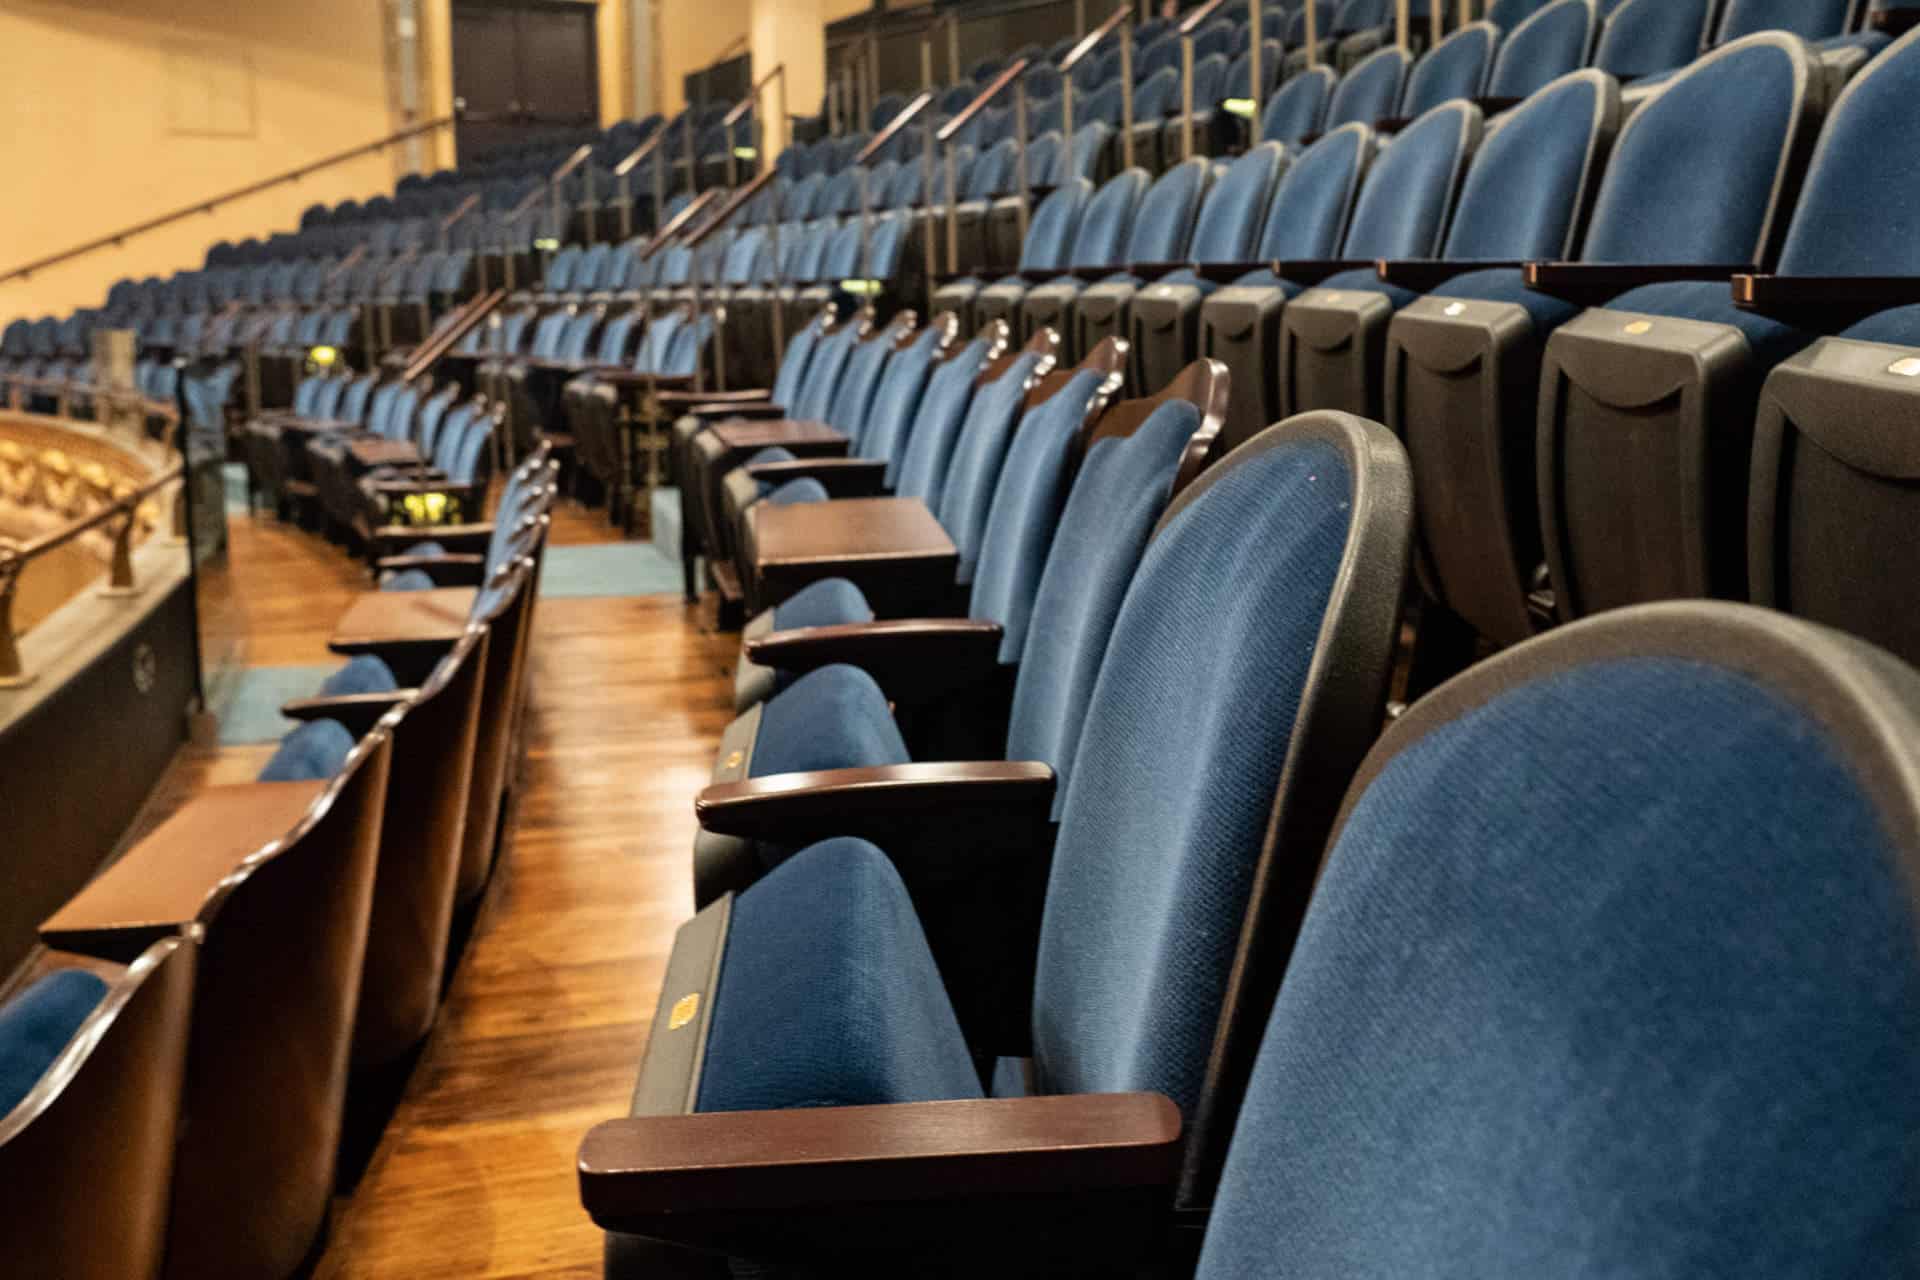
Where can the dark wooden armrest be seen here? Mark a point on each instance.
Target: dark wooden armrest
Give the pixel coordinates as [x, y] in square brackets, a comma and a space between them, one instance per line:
[1592, 283]
[1896, 21]
[413, 481]
[843, 477]
[171, 879]
[1423, 275]
[953, 1176]
[1788, 296]
[799, 808]
[755, 410]
[382, 621]
[455, 569]
[320, 426]
[454, 537]
[1493, 106]
[358, 712]
[912, 659]
[744, 396]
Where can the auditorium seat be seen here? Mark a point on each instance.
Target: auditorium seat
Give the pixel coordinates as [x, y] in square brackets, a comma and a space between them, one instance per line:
[277, 879]
[1371, 91]
[1298, 109]
[1746, 878]
[1695, 177]
[1648, 402]
[1049, 242]
[1457, 67]
[838, 716]
[434, 730]
[1554, 40]
[940, 421]
[92, 1057]
[1099, 244]
[469, 553]
[1161, 229]
[1402, 207]
[1132, 978]
[1046, 449]
[1224, 231]
[1525, 198]
[1645, 37]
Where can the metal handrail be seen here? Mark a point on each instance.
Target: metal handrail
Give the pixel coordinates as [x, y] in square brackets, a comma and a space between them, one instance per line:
[678, 223]
[453, 219]
[208, 206]
[1077, 55]
[921, 102]
[1013, 75]
[993, 90]
[470, 313]
[1191, 23]
[726, 211]
[14, 560]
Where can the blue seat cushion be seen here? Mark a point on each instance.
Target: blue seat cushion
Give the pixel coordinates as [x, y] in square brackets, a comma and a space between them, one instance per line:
[37, 1024]
[1668, 944]
[1710, 302]
[366, 673]
[774, 453]
[1266, 279]
[406, 580]
[1507, 284]
[433, 550]
[825, 603]
[832, 718]
[1364, 279]
[309, 753]
[829, 995]
[1899, 327]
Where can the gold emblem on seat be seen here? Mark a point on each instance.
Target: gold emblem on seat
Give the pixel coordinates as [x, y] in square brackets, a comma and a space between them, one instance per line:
[1906, 367]
[684, 1010]
[733, 759]
[1638, 326]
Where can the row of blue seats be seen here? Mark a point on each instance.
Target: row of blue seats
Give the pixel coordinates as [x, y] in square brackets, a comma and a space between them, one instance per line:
[1092, 965]
[171, 1055]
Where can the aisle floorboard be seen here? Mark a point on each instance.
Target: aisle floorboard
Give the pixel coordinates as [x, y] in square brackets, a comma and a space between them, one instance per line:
[543, 1026]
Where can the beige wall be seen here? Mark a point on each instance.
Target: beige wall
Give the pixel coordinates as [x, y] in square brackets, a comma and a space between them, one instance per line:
[691, 35]
[119, 110]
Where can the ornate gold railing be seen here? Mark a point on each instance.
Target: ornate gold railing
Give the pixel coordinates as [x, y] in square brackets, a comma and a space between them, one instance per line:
[91, 498]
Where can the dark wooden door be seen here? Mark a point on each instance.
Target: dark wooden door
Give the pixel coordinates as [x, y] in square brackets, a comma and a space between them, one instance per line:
[525, 70]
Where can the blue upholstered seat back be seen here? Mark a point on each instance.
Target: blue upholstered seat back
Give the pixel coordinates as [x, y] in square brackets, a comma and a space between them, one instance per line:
[1157, 95]
[433, 414]
[1370, 91]
[613, 338]
[1164, 222]
[897, 402]
[1402, 209]
[1209, 81]
[1299, 107]
[546, 334]
[992, 171]
[1236, 207]
[471, 457]
[399, 424]
[1545, 47]
[306, 396]
[446, 446]
[1050, 235]
[560, 269]
[1206, 667]
[1121, 490]
[823, 374]
[853, 398]
[1509, 14]
[961, 498]
[688, 347]
[314, 751]
[380, 409]
[936, 426]
[1315, 196]
[352, 406]
[1646, 1003]
[1239, 82]
[1026, 508]
[1695, 172]
[1108, 221]
[1813, 19]
[788, 379]
[1522, 196]
[1856, 214]
[37, 1024]
[1643, 37]
[1457, 67]
[655, 344]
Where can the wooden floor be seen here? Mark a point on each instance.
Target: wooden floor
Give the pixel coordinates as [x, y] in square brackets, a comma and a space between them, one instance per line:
[542, 1030]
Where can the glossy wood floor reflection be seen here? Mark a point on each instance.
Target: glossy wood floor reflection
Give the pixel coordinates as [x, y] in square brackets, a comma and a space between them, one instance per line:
[541, 1033]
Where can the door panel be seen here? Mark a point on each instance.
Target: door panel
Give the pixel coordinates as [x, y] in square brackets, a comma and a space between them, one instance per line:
[526, 69]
